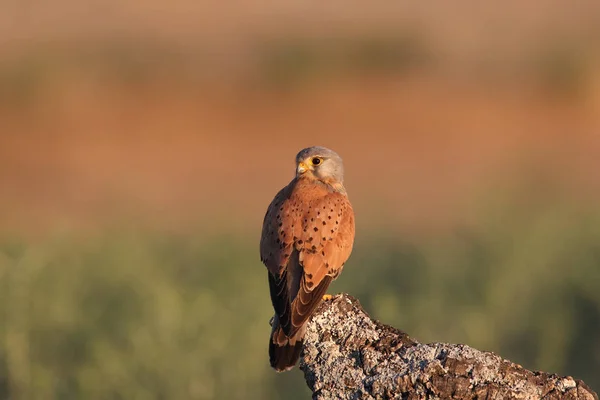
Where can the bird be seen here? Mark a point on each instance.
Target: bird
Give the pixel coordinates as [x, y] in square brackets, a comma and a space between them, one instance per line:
[307, 237]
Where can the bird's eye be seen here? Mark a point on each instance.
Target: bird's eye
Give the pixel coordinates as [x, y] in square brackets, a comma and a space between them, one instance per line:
[316, 161]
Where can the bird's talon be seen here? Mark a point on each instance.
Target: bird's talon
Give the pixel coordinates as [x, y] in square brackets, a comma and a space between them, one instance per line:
[327, 297]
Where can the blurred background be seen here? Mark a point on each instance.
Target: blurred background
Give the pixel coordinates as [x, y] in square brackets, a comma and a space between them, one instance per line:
[141, 142]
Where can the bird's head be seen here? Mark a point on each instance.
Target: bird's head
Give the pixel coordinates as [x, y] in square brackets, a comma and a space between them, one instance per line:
[322, 164]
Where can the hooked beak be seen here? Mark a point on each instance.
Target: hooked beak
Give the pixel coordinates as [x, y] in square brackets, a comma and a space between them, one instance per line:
[302, 168]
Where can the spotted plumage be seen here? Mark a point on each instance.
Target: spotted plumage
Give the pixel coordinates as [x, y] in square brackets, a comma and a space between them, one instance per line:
[307, 236]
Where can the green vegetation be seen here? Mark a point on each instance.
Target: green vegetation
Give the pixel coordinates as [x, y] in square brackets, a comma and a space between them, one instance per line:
[562, 68]
[289, 61]
[141, 315]
[285, 62]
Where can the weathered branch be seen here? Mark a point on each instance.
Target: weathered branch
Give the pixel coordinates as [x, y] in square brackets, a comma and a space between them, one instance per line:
[348, 355]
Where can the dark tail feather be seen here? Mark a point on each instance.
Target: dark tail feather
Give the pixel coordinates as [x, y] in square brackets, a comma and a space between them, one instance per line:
[284, 357]
[284, 351]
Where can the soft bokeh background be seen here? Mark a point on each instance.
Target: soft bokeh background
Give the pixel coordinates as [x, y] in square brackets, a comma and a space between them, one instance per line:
[141, 141]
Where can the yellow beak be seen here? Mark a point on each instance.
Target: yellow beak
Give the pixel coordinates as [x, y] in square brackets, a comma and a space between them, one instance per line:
[301, 168]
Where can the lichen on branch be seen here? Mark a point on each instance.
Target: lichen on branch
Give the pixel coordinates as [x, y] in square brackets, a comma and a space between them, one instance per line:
[348, 355]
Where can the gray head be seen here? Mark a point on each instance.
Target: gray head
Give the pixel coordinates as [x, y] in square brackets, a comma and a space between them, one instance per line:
[320, 163]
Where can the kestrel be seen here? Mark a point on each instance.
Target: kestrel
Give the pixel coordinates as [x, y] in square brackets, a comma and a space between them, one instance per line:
[307, 236]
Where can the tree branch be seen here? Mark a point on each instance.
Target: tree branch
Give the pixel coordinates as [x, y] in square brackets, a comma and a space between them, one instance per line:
[348, 355]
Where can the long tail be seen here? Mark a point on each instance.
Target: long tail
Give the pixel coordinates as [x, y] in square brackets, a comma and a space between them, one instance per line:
[284, 351]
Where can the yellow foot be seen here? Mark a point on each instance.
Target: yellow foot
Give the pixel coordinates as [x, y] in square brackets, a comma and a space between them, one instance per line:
[327, 297]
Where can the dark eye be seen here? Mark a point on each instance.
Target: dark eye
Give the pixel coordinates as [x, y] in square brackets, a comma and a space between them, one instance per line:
[316, 161]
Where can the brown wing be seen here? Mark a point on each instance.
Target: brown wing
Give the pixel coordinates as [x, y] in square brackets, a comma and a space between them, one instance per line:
[307, 237]
[276, 247]
[277, 239]
[324, 246]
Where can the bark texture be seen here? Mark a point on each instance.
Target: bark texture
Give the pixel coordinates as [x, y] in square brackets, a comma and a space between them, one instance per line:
[348, 355]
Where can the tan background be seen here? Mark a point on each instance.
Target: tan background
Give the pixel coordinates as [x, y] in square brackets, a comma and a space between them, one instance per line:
[138, 138]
